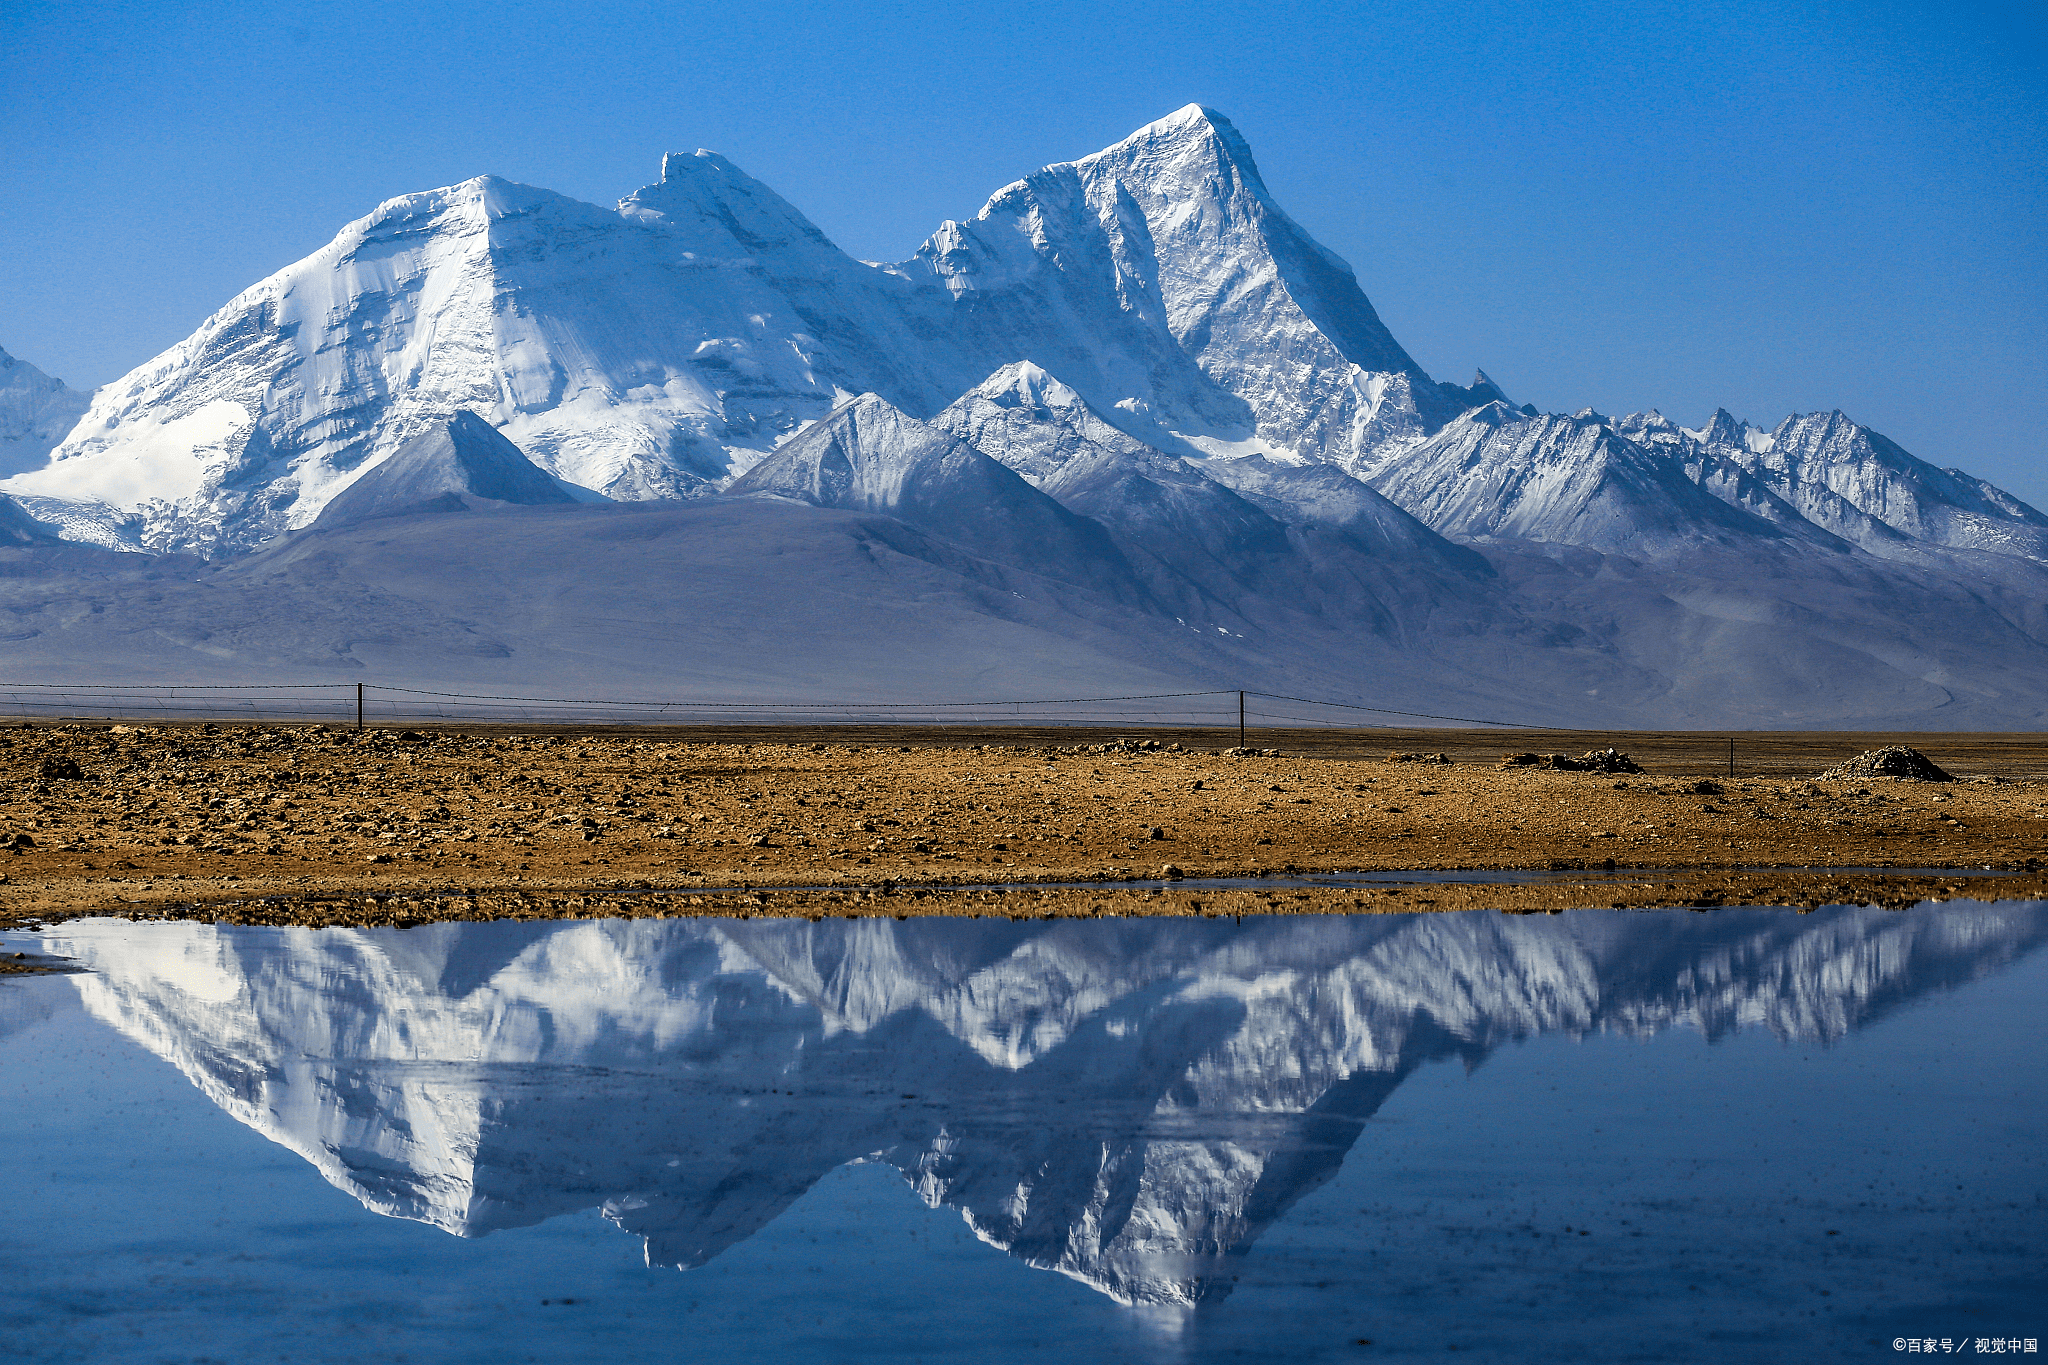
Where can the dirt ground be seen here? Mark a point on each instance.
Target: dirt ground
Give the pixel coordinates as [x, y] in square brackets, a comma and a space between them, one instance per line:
[314, 825]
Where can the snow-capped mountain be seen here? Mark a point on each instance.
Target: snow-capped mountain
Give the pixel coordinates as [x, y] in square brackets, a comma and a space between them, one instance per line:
[1161, 280]
[661, 349]
[1129, 408]
[1497, 472]
[36, 412]
[1229, 536]
[648, 352]
[869, 457]
[1130, 1103]
[1808, 459]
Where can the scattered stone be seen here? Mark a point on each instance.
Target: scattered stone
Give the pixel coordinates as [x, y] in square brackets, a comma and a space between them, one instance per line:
[1169, 872]
[58, 767]
[1894, 760]
[1443, 759]
[1154, 832]
[1703, 787]
[1595, 761]
[1124, 746]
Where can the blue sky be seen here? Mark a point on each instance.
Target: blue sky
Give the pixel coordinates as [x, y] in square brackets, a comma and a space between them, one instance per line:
[1770, 207]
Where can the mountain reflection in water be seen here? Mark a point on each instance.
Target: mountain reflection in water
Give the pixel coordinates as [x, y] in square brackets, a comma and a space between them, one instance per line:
[1129, 1102]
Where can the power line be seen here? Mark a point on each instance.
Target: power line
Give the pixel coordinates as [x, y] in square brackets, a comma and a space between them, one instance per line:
[277, 699]
[796, 705]
[1384, 711]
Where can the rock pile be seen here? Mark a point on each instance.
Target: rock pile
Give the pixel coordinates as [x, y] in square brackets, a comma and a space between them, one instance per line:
[1419, 758]
[1894, 760]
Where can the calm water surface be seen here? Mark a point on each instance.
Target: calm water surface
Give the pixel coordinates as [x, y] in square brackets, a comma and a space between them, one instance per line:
[1749, 1134]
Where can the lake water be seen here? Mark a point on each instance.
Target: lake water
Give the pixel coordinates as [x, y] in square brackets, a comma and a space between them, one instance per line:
[1749, 1135]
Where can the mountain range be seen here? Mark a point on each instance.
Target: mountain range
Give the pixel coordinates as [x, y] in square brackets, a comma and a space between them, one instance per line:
[1127, 426]
[1131, 1103]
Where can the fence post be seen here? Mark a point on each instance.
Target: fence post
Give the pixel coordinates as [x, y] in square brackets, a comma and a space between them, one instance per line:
[1731, 758]
[1240, 720]
[359, 706]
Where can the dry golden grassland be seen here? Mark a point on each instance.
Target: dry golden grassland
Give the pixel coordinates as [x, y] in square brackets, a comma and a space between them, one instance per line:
[315, 825]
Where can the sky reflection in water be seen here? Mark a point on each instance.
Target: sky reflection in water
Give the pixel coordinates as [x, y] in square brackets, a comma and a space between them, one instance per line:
[1756, 1132]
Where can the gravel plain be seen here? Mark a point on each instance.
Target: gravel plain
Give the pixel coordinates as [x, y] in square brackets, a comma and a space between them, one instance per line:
[320, 825]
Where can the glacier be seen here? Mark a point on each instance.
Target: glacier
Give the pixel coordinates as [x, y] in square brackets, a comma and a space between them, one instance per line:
[1130, 409]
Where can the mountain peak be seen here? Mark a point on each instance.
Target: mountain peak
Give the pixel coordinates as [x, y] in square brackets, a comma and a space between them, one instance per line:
[675, 165]
[1190, 120]
[1193, 141]
[1024, 383]
[447, 468]
[718, 207]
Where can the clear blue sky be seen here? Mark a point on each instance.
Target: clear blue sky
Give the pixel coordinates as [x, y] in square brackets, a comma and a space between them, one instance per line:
[1627, 204]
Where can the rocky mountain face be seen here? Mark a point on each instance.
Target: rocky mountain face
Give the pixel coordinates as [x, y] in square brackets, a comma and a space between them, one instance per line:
[1131, 1103]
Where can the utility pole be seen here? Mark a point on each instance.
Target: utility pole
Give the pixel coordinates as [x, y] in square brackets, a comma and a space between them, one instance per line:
[359, 706]
[1240, 720]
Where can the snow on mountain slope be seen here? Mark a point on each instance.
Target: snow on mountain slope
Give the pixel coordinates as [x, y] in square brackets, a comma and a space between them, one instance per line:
[1820, 461]
[659, 350]
[1198, 535]
[1496, 472]
[1323, 497]
[1159, 278]
[867, 456]
[647, 353]
[1128, 1103]
[1706, 460]
[451, 466]
[1252, 566]
[36, 411]
[1030, 421]
[857, 330]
